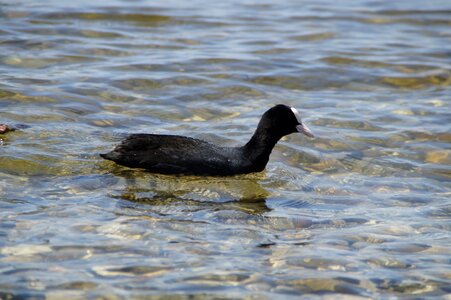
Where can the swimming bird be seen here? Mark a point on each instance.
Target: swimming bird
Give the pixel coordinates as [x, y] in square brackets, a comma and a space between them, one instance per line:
[5, 128]
[173, 154]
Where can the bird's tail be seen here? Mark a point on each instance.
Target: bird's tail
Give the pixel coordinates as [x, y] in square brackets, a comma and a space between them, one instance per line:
[110, 155]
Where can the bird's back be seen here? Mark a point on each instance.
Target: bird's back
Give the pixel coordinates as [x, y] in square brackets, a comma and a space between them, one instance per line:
[172, 154]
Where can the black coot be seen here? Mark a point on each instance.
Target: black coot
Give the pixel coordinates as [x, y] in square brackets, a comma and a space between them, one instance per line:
[172, 154]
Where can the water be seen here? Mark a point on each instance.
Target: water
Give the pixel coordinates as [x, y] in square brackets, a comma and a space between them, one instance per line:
[363, 210]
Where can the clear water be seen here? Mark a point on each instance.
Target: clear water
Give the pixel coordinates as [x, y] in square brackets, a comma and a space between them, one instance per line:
[363, 210]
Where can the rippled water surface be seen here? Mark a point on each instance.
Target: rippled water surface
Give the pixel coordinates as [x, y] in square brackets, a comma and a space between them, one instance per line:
[362, 210]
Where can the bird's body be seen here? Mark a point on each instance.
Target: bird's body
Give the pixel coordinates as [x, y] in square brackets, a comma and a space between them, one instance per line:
[172, 154]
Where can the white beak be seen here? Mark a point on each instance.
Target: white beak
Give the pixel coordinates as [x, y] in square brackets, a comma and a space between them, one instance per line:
[301, 127]
[305, 130]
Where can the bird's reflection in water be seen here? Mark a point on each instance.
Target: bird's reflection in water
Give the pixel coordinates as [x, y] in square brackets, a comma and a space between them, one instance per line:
[168, 194]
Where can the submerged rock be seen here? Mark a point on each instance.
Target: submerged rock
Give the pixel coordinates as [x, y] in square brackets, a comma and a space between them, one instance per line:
[438, 156]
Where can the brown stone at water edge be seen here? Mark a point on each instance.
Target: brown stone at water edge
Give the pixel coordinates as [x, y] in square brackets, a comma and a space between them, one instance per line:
[5, 128]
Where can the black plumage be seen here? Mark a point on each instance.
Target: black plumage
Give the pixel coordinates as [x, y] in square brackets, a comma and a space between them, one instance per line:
[172, 154]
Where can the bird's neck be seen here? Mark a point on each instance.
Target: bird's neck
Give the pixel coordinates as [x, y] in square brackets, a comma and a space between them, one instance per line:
[260, 146]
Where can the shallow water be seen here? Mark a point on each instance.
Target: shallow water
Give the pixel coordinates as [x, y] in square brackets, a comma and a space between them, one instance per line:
[363, 210]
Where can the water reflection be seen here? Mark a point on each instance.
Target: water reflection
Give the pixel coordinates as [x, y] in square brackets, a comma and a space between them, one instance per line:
[193, 193]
